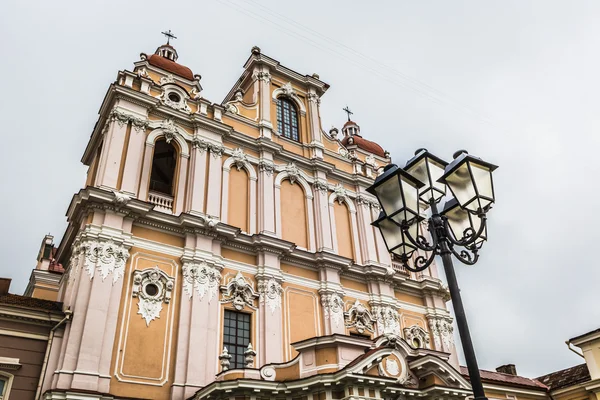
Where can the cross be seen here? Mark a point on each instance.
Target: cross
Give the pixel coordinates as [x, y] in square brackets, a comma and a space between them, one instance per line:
[169, 35]
[348, 112]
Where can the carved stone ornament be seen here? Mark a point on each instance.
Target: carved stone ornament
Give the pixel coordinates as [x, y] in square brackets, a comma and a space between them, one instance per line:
[121, 199]
[442, 331]
[270, 292]
[224, 358]
[167, 79]
[293, 172]
[142, 73]
[340, 193]
[370, 160]
[239, 293]
[180, 105]
[74, 263]
[199, 143]
[263, 76]
[359, 317]
[343, 152]
[195, 94]
[333, 307]
[230, 108]
[249, 355]
[152, 287]
[417, 337]
[267, 166]
[201, 278]
[239, 158]
[388, 322]
[320, 186]
[313, 98]
[106, 257]
[288, 90]
[216, 149]
[169, 129]
[124, 118]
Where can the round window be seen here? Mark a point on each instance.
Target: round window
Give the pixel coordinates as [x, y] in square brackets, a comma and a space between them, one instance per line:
[174, 97]
[151, 289]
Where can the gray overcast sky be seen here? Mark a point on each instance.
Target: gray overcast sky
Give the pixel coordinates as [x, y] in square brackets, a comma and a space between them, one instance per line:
[515, 82]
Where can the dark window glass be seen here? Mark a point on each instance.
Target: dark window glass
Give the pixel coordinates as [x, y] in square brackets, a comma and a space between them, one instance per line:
[236, 336]
[287, 119]
[163, 168]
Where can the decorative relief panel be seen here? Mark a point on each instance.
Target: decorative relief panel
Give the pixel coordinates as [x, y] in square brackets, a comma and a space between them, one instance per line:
[388, 322]
[442, 330]
[359, 317]
[106, 257]
[152, 287]
[333, 307]
[417, 337]
[201, 278]
[270, 292]
[239, 292]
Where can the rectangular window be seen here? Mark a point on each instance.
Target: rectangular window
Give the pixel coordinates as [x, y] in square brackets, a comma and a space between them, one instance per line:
[236, 336]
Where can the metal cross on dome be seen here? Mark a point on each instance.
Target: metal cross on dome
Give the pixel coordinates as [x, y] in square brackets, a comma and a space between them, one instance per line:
[348, 112]
[169, 35]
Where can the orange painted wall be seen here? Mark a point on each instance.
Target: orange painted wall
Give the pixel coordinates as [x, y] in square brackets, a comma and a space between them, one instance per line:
[239, 199]
[343, 230]
[293, 214]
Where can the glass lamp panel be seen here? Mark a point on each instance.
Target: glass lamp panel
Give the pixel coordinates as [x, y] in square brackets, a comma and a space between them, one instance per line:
[482, 176]
[461, 185]
[392, 234]
[436, 171]
[411, 195]
[419, 171]
[389, 195]
[458, 221]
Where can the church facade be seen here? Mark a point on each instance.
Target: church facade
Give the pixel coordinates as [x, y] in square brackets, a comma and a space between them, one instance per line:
[225, 250]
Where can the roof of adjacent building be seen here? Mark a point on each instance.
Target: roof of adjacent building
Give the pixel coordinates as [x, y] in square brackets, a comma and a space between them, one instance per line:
[30, 302]
[506, 379]
[585, 334]
[171, 66]
[566, 377]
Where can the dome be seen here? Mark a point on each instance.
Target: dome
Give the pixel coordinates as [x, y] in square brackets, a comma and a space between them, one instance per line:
[171, 66]
[364, 144]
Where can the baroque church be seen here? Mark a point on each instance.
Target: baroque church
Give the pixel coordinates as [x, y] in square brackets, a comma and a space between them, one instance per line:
[225, 251]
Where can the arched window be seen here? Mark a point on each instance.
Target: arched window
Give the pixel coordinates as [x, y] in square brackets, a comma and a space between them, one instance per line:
[287, 119]
[163, 168]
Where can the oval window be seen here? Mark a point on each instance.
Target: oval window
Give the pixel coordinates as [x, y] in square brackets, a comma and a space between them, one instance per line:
[174, 97]
[151, 289]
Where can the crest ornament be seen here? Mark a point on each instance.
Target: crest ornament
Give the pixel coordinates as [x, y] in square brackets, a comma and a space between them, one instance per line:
[239, 293]
[270, 292]
[152, 287]
[106, 257]
[333, 307]
[392, 366]
[293, 172]
[201, 278]
[239, 158]
[340, 193]
[167, 79]
[169, 129]
[320, 186]
[359, 317]
[267, 166]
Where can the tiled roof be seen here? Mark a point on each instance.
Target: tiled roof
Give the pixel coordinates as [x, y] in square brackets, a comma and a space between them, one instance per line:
[566, 377]
[171, 66]
[506, 379]
[30, 302]
[364, 144]
[585, 334]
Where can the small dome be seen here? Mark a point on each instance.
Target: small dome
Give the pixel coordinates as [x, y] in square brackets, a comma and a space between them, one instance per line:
[364, 144]
[165, 57]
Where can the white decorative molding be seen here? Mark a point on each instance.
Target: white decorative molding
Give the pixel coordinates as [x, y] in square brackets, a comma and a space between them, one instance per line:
[333, 307]
[340, 193]
[417, 337]
[123, 119]
[267, 166]
[143, 73]
[169, 129]
[152, 287]
[202, 278]
[270, 292]
[121, 199]
[293, 173]
[216, 149]
[180, 105]
[388, 321]
[239, 158]
[320, 186]
[200, 144]
[195, 94]
[167, 79]
[263, 76]
[106, 257]
[359, 317]
[224, 358]
[239, 292]
[288, 91]
[443, 332]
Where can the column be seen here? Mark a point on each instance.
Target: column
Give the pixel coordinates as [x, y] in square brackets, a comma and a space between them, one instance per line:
[133, 160]
[332, 300]
[264, 79]
[323, 224]
[366, 234]
[266, 195]
[112, 151]
[146, 170]
[270, 314]
[197, 181]
[215, 170]
[181, 184]
[315, 124]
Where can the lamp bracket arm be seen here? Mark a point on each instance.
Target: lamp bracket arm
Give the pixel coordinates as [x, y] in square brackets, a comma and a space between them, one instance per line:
[468, 255]
[469, 235]
[421, 262]
[420, 242]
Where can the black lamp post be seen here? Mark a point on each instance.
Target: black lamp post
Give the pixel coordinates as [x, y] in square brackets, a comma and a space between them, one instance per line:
[459, 230]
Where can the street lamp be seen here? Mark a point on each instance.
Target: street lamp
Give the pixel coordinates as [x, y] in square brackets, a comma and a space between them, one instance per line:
[459, 230]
